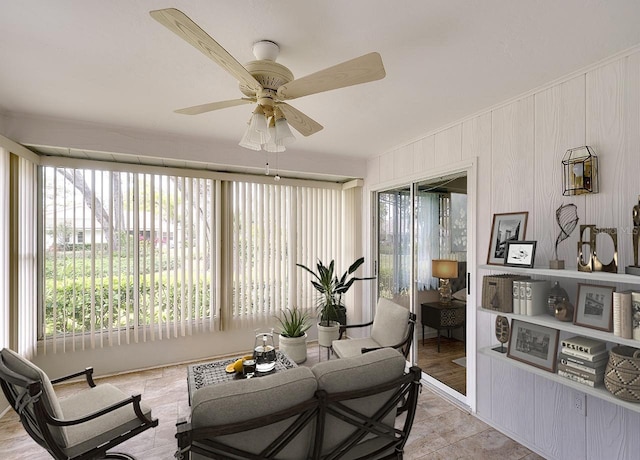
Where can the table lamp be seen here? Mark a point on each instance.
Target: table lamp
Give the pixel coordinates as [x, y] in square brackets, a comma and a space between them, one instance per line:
[445, 270]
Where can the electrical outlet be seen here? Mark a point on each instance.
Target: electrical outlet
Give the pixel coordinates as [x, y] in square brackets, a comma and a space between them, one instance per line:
[579, 402]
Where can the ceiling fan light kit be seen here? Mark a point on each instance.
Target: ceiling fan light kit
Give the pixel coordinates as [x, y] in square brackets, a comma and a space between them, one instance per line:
[269, 84]
[272, 144]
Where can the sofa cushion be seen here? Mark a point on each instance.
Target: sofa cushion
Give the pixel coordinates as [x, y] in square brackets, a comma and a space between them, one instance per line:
[356, 373]
[26, 368]
[242, 400]
[390, 323]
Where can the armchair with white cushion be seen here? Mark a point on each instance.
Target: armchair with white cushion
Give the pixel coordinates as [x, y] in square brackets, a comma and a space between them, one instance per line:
[84, 426]
[392, 327]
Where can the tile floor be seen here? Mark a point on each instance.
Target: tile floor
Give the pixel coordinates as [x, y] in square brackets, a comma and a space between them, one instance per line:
[440, 431]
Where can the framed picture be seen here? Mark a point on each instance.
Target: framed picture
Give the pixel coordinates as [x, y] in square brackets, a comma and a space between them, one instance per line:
[533, 344]
[520, 253]
[594, 307]
[506, 227]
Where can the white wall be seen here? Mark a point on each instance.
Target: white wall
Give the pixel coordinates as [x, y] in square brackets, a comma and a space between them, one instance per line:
[519, 147]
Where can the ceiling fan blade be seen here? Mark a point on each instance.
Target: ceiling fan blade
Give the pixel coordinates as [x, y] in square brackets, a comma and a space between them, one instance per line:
[362, 69]
[198, 109]
[179, 23]
[302, 123]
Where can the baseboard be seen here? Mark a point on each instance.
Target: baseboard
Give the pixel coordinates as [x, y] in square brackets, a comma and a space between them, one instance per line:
[515, 437]
[450, 398]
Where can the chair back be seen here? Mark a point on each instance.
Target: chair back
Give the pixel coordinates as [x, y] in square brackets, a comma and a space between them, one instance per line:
[30, 393]
[268, 417]
[390, 323]
[362, 395]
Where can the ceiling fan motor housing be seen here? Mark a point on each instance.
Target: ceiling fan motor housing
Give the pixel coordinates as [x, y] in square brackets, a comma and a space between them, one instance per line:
[269, 74]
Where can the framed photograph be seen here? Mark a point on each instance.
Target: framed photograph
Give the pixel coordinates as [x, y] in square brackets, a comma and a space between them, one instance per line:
[533, 344]
[594, 307]
[520, 253]
[506, 227]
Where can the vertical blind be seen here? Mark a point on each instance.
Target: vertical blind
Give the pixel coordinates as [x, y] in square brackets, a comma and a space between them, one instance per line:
[18, 253]
[273, 228]
[319, 235]
[4, 248]
[27, 301]
[129, 257]
[133, 256]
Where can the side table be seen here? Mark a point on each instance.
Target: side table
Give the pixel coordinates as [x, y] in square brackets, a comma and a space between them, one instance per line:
[444, 316]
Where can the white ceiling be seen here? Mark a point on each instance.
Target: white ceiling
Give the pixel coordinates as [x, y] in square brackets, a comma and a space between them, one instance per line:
[109, 62]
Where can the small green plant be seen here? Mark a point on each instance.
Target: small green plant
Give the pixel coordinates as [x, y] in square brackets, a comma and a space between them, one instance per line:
[293, 322]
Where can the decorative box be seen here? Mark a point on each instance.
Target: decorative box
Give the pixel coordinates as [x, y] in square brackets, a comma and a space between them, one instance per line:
[497, 292]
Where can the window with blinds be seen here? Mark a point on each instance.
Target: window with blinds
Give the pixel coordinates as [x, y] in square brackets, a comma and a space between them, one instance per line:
[132, 256]
[127, 256]
[273, 227]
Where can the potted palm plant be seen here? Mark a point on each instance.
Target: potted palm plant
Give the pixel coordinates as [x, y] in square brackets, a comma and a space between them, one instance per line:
[294, 324]
[331, 309]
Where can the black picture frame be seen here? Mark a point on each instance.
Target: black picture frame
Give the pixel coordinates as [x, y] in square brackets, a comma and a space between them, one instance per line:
[506, 227]
[520, 254]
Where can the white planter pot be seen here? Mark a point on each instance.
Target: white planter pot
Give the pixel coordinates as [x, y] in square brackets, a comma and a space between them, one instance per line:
[327, 334]
[294, 347]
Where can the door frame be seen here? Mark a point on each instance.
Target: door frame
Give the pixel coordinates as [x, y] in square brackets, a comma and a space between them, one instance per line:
[469, 167]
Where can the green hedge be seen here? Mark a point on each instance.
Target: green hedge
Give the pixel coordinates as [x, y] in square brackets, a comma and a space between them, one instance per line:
[73, 302]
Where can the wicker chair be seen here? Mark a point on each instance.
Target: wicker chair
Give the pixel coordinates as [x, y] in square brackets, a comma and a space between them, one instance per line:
[83, 426]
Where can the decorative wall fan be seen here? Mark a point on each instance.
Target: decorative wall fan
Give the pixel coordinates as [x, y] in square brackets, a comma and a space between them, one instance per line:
[269, 84]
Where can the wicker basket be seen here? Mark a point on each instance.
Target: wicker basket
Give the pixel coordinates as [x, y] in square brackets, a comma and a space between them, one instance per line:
[622, 375]
[497, 292]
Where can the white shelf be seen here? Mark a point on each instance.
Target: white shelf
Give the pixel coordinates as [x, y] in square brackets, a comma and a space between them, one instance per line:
[599, 392]
[552, 322]
[567, 273]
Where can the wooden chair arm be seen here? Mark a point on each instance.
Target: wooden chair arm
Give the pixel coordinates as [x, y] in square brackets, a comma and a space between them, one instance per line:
[88, 373]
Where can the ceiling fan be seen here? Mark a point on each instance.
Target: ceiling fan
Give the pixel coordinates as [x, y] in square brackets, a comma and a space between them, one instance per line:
[269, 84]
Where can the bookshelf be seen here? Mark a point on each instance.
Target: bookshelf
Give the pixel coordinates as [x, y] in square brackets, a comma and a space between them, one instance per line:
[599, 392]
[549, 321]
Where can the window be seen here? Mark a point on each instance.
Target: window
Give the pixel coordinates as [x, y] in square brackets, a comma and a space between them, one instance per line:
[273, 228]
[132, 256]
[112, 271]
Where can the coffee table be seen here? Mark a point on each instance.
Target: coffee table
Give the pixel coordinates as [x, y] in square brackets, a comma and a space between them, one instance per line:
[201, 375]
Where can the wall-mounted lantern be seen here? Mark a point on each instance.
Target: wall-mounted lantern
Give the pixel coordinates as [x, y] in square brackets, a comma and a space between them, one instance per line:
[579, 171]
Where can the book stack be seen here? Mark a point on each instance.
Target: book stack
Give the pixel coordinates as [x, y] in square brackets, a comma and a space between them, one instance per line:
[626, 306]
[583, 360]
[530, 297]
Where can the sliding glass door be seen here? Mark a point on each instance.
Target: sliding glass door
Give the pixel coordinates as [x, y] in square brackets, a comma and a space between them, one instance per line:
[417, 224]
[440, 221]
[394, 244]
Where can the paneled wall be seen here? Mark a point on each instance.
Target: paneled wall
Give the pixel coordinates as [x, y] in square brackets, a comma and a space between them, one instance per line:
[519, 147]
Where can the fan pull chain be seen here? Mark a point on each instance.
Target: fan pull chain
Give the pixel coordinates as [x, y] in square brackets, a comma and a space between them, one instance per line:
[266, 166]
